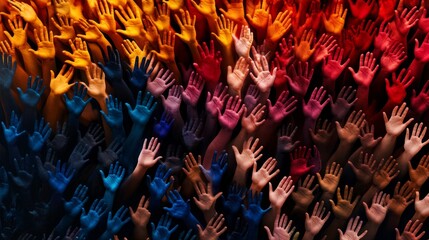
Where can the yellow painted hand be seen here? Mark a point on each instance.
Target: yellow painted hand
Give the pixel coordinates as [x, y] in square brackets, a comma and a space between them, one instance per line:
[19, 38]
[174, 5]
[118, 3]
[206, 8]
[106, 17]
[60, 84]
[166, 48]
[335, 23]
[65, 26]
[279, 27]
[162, 17]
[226, 28]
[235, 11]
[131, 21]
[259, 20]
[80, 57]
[148, 7]
[25, 11]
[187, 27]
[132, 50]
[92, 33]
[303, 47]
[62, 7]
[96, 82]
[6, 47]
[45, 44]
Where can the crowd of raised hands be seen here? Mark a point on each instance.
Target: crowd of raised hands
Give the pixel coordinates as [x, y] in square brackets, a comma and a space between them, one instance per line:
[257, 119]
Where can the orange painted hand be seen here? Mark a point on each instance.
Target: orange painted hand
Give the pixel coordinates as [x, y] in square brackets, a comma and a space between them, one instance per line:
[132, 51]
[304, 47]
[25, 11]
[19, 38]
[80, 57]
[106, 17]
[60, 84]
[131, 21]
[259, 20]
[226, 28]
[148, 7]
[96, 82]
[206, 8]
[45, 44]
[187, 27]
[118, 3]
[65, 26]
[62, 7]
[92, 33]
[345, 206]
[166, 48]
[235, 11]
[279, 27]
[174, 5]
[335, 23]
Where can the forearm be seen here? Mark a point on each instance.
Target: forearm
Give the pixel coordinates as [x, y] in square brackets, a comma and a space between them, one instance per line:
[108, 198]
[192, 112]
[54, 109]
[362, 94]
[123, 92]
[47, 66]
[341, 154]
[7, 102]
[372, 229]
[173, 68]
[210, 127]
[240, 176]
[309, 123]
[61, 228]
[403, 160]
[385, 148]
[140, 233]
[416, 69]
[218, 144]
[193, 47]
[308, 236]
[130, 185]
[209, 214]
[30, 63]
[329, 85]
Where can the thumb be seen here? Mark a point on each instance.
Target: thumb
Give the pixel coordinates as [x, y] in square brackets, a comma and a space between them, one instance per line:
[267, 229]
[19, 91]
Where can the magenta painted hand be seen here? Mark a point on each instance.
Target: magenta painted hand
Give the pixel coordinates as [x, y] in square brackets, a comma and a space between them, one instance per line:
[361, 8]
[345, 100]
[420, 103]
[300, 78]
[421, 53]
[209, 67]
[393, 57]
[252, 97]
[215, 104]
[286, 53]
[232, 114]
[327, 44]
[367, 68]
[172, 102]
[282, 108]
[314, 106]
[332, 67]
[298, 166]
[193, 91]
[397, 91]
[280, 79]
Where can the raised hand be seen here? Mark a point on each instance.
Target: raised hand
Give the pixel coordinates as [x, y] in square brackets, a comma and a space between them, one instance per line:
[378, 210]
[298, 165]
[406, 20]
[209, 66]
[19, 38]
[330, 181]
[92, 33]
[244, 42]
[61, 177]
[414, 143]
[93, 137]
[300, 78]
[24, 171]
[259, 20]
[143, 109]
[133, 51]
[7, 71]
[166, 47]
[236, 77]
[232, 202]
[261, 177]
[314, 107]
[80, 57]
[217, 170]
[420, 174]
[420, 206]
[254, 212]
[420, 102]
[350, 132]
[114, 179]
[147, 158]
[281, 25]
[116, 222]
[332, 66]
[335, 23]
[141, 216]
[249, 154]
[192, 169]
[88, 221]
[172, 102]
[304, 47]
[114, 116]
[4, 184]
[252, 97]
[411, 231]
[363, 34]
[395, 125]
[131, 20]
[41, 133]
[206, 200]
[345, 206]
[112, 67]
[192, 133]
[315, 222]
[214, 228]
[193, 91]
[111, 153]
[343, 103]
[304, 193]
[34, 91]
[215, 102]
[393, 57]
[255, 119]
[232, 114]
[387, 170]
[283, 107]
[77, 103]
[140, 73]
[65, 27]
[206, 8]
[262, 77]
[367, 69]
[161, 18]
[285, 141]
[162, 230]
[383, 40]
[163, 127]
[60, 84]
[397, 91]
[353, 228]
[361, 8]
[327, 44]
[367, 139]
[187, 26]
[158, 186]
[106, 17]
[279, 196]
[286, 55]
[282, 228]
[11, 133]
[45, 44]
[163, 80]
[179, 209]
[366, 168]
[402, 197]
[226, 29]
[234, 11]
[77, 157]
[76, 203]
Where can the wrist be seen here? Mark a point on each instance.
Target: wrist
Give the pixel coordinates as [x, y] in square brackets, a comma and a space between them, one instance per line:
[37, 23]
[256, 187]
